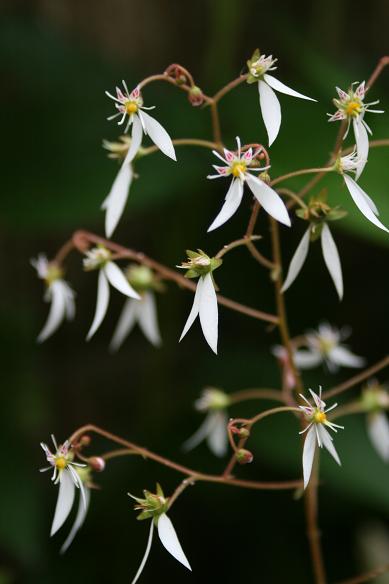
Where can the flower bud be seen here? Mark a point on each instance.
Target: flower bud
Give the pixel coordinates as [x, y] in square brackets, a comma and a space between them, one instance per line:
[244, 456]
[196, 96]
[85, 440]
[97, 463]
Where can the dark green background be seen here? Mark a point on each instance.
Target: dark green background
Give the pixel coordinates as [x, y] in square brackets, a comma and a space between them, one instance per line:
[57, 58]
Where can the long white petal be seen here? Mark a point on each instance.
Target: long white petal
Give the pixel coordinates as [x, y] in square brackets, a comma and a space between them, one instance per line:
[57, 310]
[118, 280]
[217, 437]
[332, 259]
[208, 312]
[362, 144]
[378, 429]
[101, 303]
[195, 309]
[64, 501]
[159, 135]
[297, 261]
[79, 520]
[307, 359]
[359, 198]
[201, 433]
[343, 357]
[147, 552]
[125, 324]
[271, 110]
[308, 454]
[282, 88]
[136, 140]
[147, 318]
[327, 442]
[231, 204]
[269, 199]
[167, 535]
[115, 202]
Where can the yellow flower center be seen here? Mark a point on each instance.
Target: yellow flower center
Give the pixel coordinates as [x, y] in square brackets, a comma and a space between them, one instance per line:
[61, 463]
[320, 417]
[131, 107]
[238, 168]
[353, 108]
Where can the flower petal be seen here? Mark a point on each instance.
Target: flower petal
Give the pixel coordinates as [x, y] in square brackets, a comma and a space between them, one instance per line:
[208, 312]
[297, 261]
[146, 555]
[307, 359]
[116, 200]
[217, 437]
[195, 309]
[231, 204]
[159, 135]
[147, 318]
[271, 110]
[80, 518]
[201, 433]
[359, 197]
[119, 281]
[269, 199]
[101, 303]
[332, 259]
[64, 501]
[362, 144]
[327, 442]
[167, 535]
[343, 357]
[282, 88]
[378, 430]
[308, 454]
[136, 140]
[58, 297]
[125, 323]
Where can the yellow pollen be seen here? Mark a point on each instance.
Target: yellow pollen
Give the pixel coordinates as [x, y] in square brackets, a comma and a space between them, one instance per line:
[131, 107]
[353, 108]
[238, 168]
[320, 417]
[60, 463]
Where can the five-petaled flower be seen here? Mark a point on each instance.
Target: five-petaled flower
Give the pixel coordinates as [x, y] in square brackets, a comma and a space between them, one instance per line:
[99, 258]
[375, 400]
[58, 292]
[214, 403]
[70, 475]
[324, 346]
[240, 165]
[258, 67]
[317, 433]
[351, 108]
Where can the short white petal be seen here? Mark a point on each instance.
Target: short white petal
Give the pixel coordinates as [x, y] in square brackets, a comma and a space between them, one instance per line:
[327, 442]
[200, 434]
[146, 555]
[362, 144]
[64, 501]
[307, 359]
[308, 454]
[269, 199]
[118, 280]
[115, 202]
[297, 261]
[101, 303]
[378, 429]
[231, 204]
[282, 88]
[57, 311]
[271, 110]
[147, 318]
[332, 259]
[79, 520]
[359, 198]
[343, 357]
[217, 437]
[136, 140]
[167, 535]
[195, 309]
[125, 323]
[159, 135]
[208, 312]
[70, 305]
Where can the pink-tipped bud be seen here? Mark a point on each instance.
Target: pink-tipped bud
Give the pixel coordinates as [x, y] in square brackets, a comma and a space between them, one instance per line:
[244, 456]
[196, 96]
[240, 432]
[97, 463]
[85, 440]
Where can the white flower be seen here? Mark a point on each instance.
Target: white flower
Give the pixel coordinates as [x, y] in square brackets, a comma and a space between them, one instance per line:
[117, 197]
[131, 105]
[324, 346]
[375, 399]
[214, 403]
[270, 106]
[330, 255]
[58, 293]
[239, 166]
[317, 433]
[144, 313]
[352, 163]
[109, 273]
[351, 108]
[68, 474]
